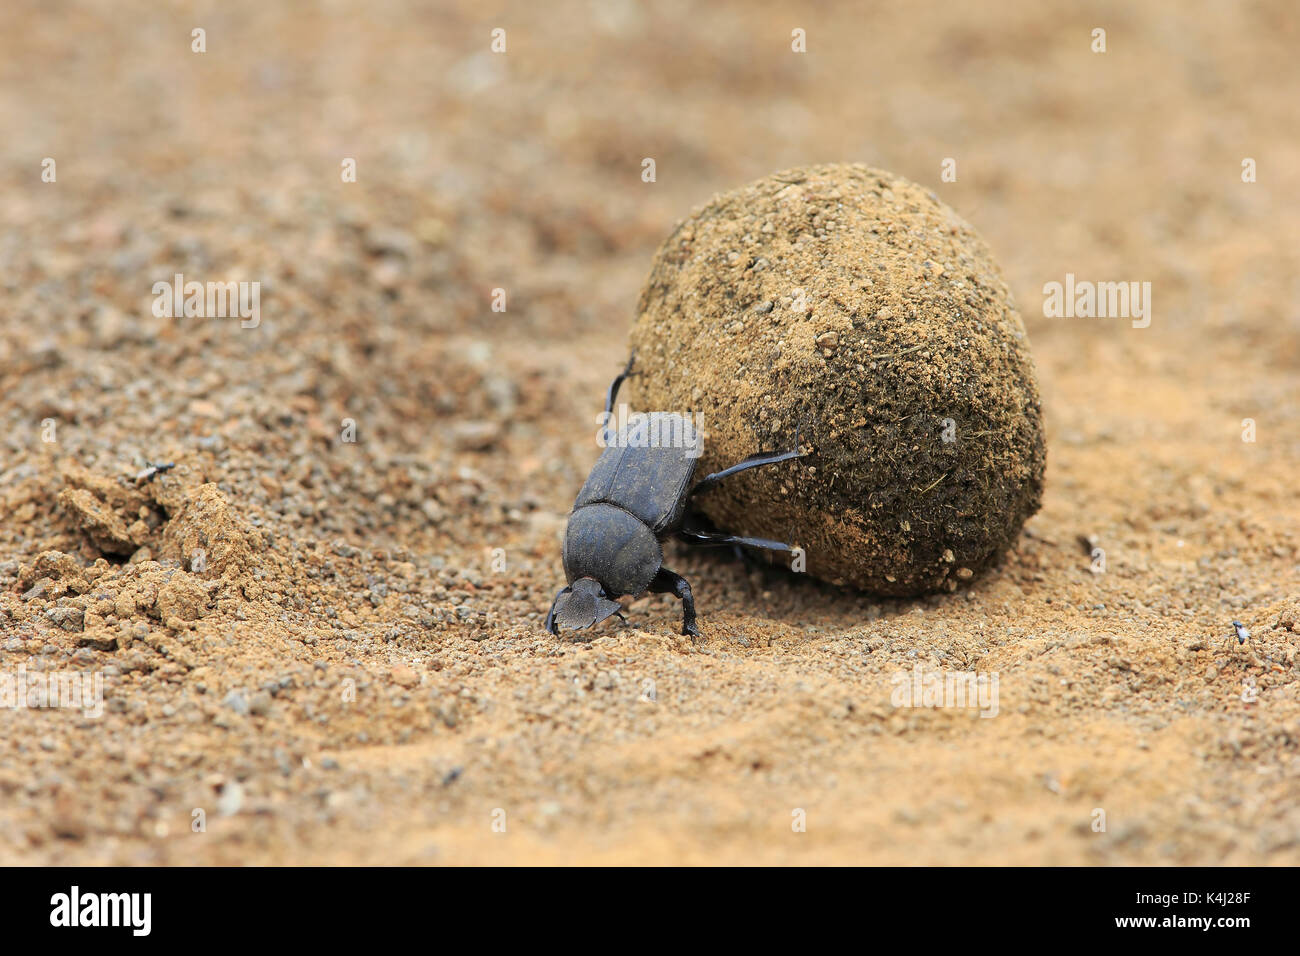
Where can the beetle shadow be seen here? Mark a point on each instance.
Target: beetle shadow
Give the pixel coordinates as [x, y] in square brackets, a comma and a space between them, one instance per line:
[775, 592]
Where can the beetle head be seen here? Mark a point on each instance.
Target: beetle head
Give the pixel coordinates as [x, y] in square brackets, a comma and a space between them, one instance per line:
[583, 604]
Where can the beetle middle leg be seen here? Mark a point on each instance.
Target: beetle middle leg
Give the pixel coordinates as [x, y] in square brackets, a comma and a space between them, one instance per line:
[694, 536]
[670, 582]
[738, 543]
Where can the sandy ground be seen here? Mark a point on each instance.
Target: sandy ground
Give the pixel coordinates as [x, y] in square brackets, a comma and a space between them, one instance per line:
[311, 648]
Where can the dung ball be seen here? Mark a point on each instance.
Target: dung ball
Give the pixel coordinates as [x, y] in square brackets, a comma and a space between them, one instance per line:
[851, 306]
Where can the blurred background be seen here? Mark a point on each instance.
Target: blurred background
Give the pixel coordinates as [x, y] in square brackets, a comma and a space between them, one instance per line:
[522, 171]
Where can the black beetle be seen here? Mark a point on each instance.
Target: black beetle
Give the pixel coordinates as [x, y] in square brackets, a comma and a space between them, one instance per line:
[635, 498]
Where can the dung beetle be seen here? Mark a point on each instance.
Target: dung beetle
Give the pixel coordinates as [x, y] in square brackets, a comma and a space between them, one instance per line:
[638, 496]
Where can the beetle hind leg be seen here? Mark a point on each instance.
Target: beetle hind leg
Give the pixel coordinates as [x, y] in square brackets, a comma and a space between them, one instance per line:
[670, 582]
[756, 460]
[612, 395]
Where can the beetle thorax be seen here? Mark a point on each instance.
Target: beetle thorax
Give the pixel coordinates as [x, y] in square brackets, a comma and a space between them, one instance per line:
[614, 547]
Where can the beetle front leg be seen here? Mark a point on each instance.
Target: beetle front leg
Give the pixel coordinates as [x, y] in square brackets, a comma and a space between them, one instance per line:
[550, 624]
[670, 582]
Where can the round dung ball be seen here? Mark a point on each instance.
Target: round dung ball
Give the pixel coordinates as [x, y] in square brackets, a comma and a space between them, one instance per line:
[853, 307]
